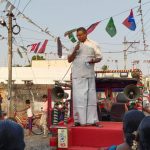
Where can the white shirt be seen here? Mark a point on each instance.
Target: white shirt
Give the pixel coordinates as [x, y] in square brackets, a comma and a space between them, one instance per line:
[146, 104]
[29, 112]
[45, 106]
[88, 50]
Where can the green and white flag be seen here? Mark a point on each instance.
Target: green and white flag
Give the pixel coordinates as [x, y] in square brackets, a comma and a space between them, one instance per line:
[110, 28]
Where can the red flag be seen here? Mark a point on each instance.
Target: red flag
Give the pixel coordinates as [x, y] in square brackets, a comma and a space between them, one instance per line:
[92, 27]
[33, 46]
[43, 47]
[37, 47]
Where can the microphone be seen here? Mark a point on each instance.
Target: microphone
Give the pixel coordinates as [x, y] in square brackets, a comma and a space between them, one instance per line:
[77, 47]
[78, 43]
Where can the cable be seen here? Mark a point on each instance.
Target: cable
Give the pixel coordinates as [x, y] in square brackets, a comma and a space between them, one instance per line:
[66, 72]
[26, 6]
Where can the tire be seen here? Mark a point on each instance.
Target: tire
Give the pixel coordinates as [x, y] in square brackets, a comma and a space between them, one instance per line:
[36, 128]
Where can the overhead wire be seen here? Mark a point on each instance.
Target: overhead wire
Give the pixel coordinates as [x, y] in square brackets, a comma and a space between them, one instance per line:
[26, 6]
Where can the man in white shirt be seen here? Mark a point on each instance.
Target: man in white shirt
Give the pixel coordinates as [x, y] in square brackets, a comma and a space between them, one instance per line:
[29, 115]
[43, 120]
[83, 57]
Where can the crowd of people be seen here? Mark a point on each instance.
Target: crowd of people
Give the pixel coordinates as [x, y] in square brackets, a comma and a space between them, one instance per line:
[136, 129]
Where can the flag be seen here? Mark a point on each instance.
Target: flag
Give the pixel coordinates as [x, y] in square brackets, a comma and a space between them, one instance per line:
[72, 38]
[59, 47]
[9, 7]
[110, 28]
[20, 54]
[70, 31]
[23, 48]
[92, 27]
[37, 47]
[33, 46]
[43, 47]
[129, 22]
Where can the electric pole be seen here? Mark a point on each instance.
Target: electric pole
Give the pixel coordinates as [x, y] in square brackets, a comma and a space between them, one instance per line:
[125, 50]
[10, 109]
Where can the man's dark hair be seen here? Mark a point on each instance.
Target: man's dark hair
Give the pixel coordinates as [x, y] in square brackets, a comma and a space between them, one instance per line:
[144, 134]
[82, 29]
[131, 121]
[44, 96]
[11, 135]
[27, 101]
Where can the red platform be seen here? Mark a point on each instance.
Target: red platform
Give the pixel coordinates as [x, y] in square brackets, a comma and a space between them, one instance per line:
[92, 138]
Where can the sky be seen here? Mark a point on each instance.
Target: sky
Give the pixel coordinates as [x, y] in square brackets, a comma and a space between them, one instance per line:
[59, 16]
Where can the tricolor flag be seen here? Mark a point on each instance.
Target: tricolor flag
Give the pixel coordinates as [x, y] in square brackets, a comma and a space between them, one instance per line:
[43, 47]
[129, 22]
[92, 27]
[72, 38]
[70, 32]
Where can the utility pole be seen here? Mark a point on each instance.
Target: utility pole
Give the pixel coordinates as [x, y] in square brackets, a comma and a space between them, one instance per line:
[142, 23]
[10, 109]
[125, 50]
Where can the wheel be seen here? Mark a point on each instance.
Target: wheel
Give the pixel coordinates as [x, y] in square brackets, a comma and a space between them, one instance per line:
[36, 128]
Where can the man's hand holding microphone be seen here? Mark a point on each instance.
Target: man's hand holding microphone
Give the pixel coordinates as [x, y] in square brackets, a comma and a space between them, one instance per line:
[76, 49]
[74, 53]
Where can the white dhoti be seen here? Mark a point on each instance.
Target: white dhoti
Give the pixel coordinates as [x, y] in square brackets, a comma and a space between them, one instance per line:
[84, 100]
[43, 122]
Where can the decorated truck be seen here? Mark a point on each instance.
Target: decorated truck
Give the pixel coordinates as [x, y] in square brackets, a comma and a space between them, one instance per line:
[117, 92]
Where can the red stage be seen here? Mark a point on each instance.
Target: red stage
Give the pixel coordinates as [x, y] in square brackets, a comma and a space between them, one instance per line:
[93, 138]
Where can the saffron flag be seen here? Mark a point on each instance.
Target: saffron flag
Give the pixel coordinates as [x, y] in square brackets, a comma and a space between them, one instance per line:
[59, 47]
[92, 27]
[129, 22]
[72, 38]
[43, 47]
[110, 28]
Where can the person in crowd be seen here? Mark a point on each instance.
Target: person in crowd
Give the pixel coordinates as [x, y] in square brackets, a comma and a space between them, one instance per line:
[83, 57]
[11, 135]
[146, 106]
[29, 115]
[43, 120]
[144, 134]
[131, 122]
[1, 100]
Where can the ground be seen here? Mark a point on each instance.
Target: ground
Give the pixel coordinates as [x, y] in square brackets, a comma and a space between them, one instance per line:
[37, 142]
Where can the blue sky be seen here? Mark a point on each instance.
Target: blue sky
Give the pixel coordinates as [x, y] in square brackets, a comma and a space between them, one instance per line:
[62, 15]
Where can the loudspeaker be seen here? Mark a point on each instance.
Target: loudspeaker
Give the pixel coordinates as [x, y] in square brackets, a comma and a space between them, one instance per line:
[58, 93]
[121, 98]
[132, 92]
